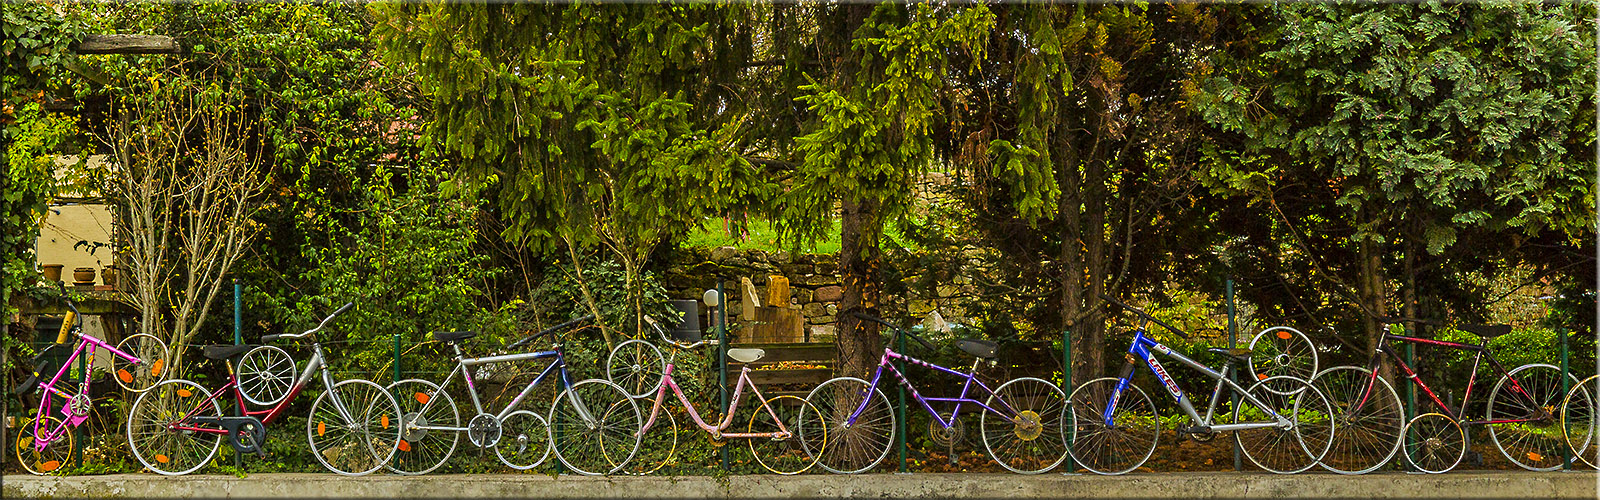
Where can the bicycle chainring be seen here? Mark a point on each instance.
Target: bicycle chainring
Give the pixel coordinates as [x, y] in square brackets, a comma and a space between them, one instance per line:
[484, 430]
[947, 437]
[79, 405]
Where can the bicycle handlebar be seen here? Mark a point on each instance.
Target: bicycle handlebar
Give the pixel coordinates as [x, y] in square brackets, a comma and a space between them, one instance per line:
[276, 336]
[1146, 315]
[1399, 319]
[564, 326]
[668, 338]
[897, 329]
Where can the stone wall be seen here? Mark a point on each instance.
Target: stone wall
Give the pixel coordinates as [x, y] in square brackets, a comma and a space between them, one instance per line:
[813, 281]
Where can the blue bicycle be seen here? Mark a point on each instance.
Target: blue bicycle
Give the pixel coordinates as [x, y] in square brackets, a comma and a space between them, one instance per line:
[1281, 423]
[592, 425]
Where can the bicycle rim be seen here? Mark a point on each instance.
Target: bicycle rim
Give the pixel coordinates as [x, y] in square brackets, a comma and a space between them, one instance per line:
[602, 444]
[1434, 443]
[787, 455]
[1280, 450]
[164, 450]
[152, 368]
[364, 442]
[1110, 449]
[637, 367]
[1023, 441]
[421, 451]
[55, 456]
[859, 447]
[659, 445]
[1578, 425]
[1368, 418]
[1535, 445]
[524, 440]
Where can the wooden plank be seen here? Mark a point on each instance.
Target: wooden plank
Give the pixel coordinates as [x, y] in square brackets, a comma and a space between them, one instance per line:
[793, 352]
[777, 291]
[126, 44]
[812, 376]
[777, 324]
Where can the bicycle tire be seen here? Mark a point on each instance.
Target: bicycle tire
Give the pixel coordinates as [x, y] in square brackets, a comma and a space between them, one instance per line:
[864, 444]
[417, 448]
[1022, 442]
[1530, 445]
[155, 444]
[1368, 438]
[1118, 448]
[363, 444]
[1582, 417]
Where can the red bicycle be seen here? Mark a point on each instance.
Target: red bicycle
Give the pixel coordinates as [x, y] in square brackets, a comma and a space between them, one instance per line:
[176, 427]
[1521, 414]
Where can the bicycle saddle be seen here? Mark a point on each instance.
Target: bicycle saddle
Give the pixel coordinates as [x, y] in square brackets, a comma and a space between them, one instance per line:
[41, 369]
[746, 355]
[1486, 331]
[225, 351]
[454, 336]
[1240, 354]
[981, 348]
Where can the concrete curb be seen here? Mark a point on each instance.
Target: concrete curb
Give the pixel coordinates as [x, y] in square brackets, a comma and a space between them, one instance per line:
[1192, 485]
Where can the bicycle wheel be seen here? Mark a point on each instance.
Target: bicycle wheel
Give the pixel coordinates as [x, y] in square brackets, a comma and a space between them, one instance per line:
[152, 366]
[1578, 426]
[588, 436]
[1535, 442]
[1367, 416]
[783, 455]
[1020, 437]
[360, 439]
[1278, 449]
[1117, 447]
[524, 440]
[637, 367]
[153, 434]
[265, 375]
[422, 404]
[56, 453]
[1434, 443]
[849, 449]
[1281, 350]
[659, 445]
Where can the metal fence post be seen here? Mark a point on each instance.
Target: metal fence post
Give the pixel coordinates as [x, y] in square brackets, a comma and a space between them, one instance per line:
[1233, 342]
[722, 361]
[1411, 397]
[238, 339]
[1066, 381]
[900, 434]
[1566, 458]
[397, 357]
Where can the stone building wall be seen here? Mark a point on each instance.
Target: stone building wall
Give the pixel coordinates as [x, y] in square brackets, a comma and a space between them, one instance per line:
[813, 282]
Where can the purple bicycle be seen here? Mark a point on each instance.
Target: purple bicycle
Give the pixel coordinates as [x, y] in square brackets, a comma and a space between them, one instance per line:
[1021, 421]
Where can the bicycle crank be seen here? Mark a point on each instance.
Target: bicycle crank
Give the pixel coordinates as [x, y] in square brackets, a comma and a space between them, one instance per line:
[483, 430]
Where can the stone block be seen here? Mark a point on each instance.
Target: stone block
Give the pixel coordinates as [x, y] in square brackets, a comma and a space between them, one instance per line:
[720, 254]
[829, 293]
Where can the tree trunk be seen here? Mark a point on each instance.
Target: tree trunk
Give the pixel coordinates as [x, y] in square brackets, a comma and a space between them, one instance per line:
[1371, 291]
[858, 341]
[1068, 211]
[1094, 244]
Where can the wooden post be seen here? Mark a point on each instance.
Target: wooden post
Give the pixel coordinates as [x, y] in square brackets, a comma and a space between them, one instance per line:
[126, 44]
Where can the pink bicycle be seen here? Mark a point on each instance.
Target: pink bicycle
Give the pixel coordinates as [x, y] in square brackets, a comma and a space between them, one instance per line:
[776, 440]
[45, 443]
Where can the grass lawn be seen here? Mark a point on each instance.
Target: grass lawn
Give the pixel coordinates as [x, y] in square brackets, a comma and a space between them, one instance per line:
[764, 236]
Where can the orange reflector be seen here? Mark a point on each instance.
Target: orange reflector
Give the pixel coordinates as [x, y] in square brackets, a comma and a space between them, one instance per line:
[1535, 457]
[155, 368]
[1262, 376]
[422, 398]
[124, 376]
[405, 445]
[161, 458]
[50, 466]
[384, 421]
[322, 428]
[184, 393]
[1284, 334]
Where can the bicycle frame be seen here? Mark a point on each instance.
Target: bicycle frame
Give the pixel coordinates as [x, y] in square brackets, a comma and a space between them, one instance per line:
[1145, 349]
[1459, 414]
[559, 366]
[85, 343]
[970, 377]
[314, 366]
[727, 420]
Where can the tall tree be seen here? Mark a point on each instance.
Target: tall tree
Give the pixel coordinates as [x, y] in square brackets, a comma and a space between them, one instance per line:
[870, 136]
[1442, 134]
[598, 125]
